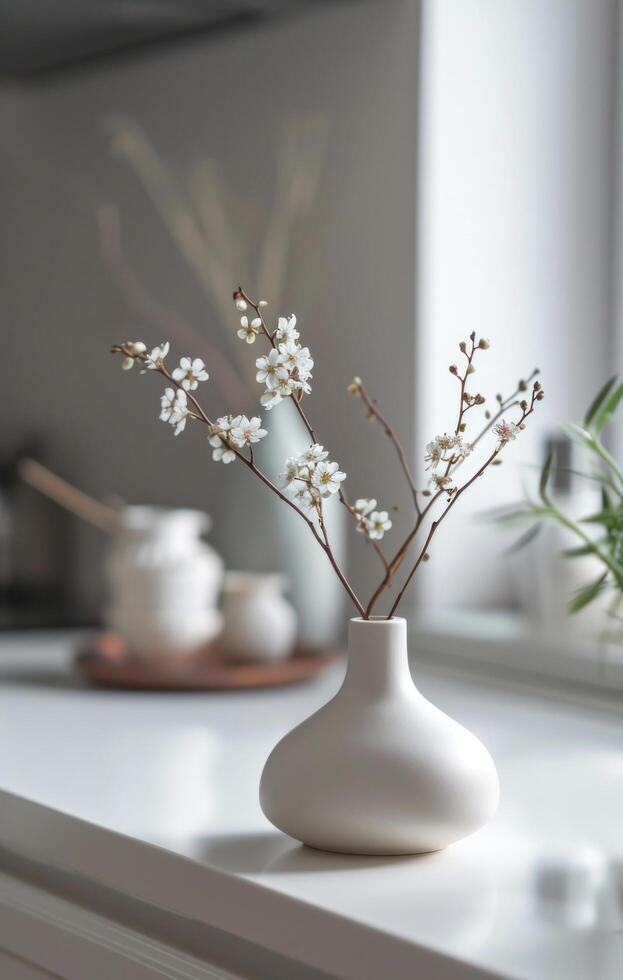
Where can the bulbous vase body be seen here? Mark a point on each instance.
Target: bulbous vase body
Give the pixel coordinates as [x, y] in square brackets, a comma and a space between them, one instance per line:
[379, 769]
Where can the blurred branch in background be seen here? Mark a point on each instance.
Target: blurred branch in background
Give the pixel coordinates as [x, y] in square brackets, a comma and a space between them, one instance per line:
[208, 222]
[167, 322]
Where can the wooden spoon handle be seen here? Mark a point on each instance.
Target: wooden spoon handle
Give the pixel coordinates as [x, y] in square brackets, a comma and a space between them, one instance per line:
[63, 493]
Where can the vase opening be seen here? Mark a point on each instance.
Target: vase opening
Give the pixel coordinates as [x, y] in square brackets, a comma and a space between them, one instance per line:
[378, 619]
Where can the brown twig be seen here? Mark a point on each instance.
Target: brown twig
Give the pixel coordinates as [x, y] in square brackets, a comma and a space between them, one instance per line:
[455, 496]
[376, 413]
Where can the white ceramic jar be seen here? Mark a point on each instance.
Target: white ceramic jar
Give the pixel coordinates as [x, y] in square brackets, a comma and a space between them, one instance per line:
[379, 769]
[164, 581]
[258, 622]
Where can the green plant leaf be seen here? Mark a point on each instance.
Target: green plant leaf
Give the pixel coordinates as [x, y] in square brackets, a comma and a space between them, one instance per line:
[582, 550]
[609, 518]
[587, 594]
[607, 412]
[545, 472]
[527, 514]
[524, 540]
[579, 435]
[598, 400]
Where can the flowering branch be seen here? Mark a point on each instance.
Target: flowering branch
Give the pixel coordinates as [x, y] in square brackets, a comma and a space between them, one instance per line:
[507, 433]
[309, 479]
[228, 435]
[452, 450]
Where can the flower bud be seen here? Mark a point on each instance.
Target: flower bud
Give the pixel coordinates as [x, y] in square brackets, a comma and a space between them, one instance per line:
[463, 347]
[127, 363]
[522, 385]
[354, 386]
[136, 347]
[240, 301]
[263, 302]
[471, 369]
[453, 369]
[484, 344]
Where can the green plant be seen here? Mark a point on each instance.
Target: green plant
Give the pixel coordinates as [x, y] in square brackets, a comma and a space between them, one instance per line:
[600, 533]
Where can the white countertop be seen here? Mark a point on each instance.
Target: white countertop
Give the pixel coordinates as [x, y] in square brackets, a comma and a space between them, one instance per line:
[537, 894]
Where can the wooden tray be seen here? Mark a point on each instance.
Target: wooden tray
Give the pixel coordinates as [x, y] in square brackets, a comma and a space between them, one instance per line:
[103, 661]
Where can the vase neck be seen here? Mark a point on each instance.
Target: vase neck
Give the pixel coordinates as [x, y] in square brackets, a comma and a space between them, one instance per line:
[378, 660]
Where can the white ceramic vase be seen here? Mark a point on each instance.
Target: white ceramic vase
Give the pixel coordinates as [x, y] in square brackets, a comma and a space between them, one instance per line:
[259, 624]
[164, 582]
[379, 769]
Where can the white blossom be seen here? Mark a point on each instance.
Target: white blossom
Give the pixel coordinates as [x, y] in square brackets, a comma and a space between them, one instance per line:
[363, 506]
[136, 347]
[291, 473]
[303, 386]
[296, 359]
[446, 448]
[272, 397]
[225, 422]
[173, 409]
[190, 373]
[327, 478]
[308, 476]
[440, 482]
[158, 354]
[371, 521]
[286, 328]
[314, 454]
[378, 523]
[271, 370]
[305, 499]
[223, 454]
[506, 431]
[246, 431]
[219, 439]
[249, 330]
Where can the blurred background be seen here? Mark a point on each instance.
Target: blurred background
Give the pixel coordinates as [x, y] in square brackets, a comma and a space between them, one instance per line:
[396, 173]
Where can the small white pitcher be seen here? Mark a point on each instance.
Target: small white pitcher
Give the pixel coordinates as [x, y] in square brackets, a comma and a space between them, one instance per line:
[259, 624]
[164, 581]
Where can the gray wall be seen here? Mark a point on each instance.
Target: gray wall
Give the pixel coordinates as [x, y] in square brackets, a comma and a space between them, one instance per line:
[352, 264]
